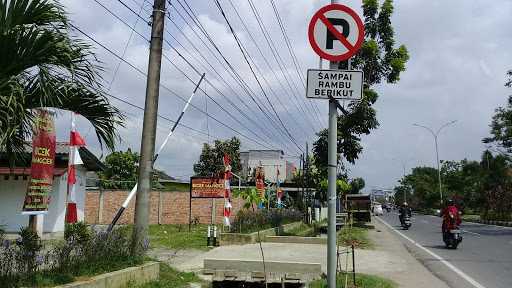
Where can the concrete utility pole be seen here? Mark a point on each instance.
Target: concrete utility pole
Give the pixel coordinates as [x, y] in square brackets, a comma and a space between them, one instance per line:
[149, 128]
[435, 135]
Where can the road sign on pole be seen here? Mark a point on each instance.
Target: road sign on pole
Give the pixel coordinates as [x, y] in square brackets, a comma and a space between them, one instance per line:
[336, 32]
[338, 84]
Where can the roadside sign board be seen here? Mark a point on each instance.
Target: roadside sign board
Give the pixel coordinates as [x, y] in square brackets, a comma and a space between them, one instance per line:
[338, 84]
[206, 187]
[336, 32]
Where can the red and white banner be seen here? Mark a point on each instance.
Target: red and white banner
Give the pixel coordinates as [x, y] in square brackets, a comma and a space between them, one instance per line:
[75, 142]
[227, 191]
[40, 185]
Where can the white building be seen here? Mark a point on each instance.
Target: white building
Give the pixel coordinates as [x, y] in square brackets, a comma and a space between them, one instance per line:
[271, 161]
[13, 187]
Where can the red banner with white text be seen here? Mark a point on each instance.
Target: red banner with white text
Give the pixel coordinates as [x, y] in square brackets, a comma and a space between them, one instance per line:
[40, 185]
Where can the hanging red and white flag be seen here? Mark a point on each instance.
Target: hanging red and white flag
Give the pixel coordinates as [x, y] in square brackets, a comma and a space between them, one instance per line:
[75, 142]
[227, 187]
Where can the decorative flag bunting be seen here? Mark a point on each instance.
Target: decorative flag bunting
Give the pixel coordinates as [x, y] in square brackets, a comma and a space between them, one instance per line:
[260, 184]
[75, 142]
[279, 192]
[227, 191]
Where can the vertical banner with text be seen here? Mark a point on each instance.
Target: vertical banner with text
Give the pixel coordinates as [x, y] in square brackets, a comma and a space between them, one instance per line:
[40, 185]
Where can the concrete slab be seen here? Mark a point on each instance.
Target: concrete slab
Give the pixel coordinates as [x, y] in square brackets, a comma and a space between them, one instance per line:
[390, 259]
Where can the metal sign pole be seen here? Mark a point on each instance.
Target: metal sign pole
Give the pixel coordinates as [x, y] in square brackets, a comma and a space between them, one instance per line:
[332, 162]
[332, 84]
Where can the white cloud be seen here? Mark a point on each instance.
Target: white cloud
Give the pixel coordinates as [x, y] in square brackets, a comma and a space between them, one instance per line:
[459, 51]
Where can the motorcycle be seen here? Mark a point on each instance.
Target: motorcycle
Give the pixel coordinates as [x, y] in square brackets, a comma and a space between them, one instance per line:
[451, 233]
[406, 222]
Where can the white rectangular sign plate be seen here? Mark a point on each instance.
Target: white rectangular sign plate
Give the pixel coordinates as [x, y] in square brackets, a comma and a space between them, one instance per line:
[338, 84]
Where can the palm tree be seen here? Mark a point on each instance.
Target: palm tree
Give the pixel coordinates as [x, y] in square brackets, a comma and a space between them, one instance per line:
[41, 65]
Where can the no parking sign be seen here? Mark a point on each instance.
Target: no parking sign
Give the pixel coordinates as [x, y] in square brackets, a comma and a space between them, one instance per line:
[336, 32]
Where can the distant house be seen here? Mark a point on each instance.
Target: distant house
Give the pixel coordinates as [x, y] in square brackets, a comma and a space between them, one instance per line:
[271, 161]
[13, 186]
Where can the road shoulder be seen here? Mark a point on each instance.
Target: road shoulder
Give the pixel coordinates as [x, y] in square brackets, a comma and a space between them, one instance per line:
[405, 269]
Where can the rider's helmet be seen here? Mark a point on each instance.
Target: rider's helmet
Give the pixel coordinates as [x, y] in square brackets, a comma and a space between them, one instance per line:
[405, 204]
[449, 202]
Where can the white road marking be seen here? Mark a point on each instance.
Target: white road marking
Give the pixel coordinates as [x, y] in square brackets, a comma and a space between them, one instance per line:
[448, 264]
[481, 224]
[474, 233]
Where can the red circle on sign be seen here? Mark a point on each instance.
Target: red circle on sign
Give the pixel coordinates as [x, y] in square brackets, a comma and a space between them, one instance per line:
[351, 50]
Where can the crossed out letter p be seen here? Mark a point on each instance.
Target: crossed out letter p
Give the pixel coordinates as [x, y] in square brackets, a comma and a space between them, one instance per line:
[330, 37]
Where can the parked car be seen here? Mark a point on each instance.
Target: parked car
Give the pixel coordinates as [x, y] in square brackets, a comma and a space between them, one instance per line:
[377, 210]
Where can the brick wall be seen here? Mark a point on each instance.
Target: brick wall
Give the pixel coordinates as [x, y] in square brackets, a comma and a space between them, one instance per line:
[174, 207]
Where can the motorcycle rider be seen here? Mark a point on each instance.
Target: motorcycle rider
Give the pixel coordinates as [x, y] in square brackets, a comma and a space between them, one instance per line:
[404, 210]
[450, 212]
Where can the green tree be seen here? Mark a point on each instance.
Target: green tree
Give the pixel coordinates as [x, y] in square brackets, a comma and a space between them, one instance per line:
[251, 198]
[423, 185]
[356, 185]
[403, 193]
[121, 172]
[497, 186]
[501, 125]
[43, 66]
[211, 159]
[380, 60]
[509, 80]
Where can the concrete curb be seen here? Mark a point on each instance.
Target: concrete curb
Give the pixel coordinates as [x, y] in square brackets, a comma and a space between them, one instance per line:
[296, 239]
[251, 238]
[133, 275]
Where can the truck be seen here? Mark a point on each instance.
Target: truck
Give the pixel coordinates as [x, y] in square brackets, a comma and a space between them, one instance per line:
[358, 206]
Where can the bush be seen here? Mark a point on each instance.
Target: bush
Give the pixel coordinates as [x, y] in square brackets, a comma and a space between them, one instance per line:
[83, 252]
[247, 221]
[2, 234]
[491, 215]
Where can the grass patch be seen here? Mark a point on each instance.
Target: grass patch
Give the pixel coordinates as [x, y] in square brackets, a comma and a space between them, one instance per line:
[304, 230]
[171, 278]
[176, 187]
[357, 236]
[470, 217]
[178, 236]
[362, 280]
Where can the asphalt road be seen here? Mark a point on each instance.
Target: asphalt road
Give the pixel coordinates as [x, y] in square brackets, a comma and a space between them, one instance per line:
[482, 260]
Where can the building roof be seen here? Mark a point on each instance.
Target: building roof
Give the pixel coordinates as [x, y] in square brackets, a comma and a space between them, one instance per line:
[91, 162]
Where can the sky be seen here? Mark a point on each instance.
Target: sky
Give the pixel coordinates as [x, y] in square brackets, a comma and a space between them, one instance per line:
[459, 54]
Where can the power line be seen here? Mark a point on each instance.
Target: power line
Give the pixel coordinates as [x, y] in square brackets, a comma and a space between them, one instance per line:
[236, 76]
[255, 76]
[125, 46]
[227, 85]
[182, 72]
[292, 96]
[165, 87]
[295, 60]
[273, 48]
[133, 11]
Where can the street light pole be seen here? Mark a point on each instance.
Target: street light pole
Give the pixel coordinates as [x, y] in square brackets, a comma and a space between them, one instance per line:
[435, 135]
[438, 170]
[403, 168]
